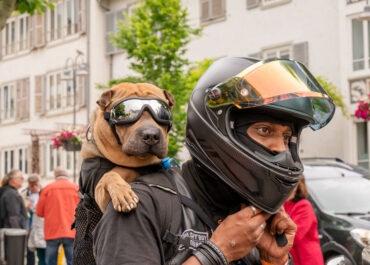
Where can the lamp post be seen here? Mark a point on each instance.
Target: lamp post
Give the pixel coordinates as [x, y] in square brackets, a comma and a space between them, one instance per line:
[73, 68]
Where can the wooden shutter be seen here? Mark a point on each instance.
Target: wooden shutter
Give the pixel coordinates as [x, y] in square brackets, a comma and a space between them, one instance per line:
[31, 32]
[300, 52]
[204, 10]
[1, 43]
[80, 89]
[257, 55]
[82, 18]
[18, 99]
[217, 8]
[39, 94]
[252, 4]
[25, 114]
[39, 30]
[109, 29]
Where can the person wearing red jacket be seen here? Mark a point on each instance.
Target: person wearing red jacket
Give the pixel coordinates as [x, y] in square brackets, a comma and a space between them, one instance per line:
[306, 247]
[57, 204]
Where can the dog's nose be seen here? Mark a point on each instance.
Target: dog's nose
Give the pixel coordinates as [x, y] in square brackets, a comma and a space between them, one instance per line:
[151, 136]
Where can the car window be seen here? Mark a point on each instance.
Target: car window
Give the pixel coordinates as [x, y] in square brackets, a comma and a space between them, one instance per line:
[341, 195]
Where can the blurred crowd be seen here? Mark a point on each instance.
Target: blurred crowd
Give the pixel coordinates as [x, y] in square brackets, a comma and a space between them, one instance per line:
[47, 214]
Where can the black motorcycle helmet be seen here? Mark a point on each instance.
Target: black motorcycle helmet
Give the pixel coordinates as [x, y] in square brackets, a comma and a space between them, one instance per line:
[242, 89]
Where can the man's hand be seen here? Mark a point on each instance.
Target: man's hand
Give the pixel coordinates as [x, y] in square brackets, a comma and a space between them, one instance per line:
[239, 233]
[269, 250]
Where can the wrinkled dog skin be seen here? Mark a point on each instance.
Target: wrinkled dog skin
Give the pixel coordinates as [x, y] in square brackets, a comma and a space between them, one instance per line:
[143, 143]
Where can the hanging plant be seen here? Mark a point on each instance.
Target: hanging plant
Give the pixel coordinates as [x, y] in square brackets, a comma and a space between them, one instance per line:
[363, 109]
[71, 140]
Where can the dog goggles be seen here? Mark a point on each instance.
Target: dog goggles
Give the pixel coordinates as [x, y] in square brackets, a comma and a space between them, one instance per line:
[129, 111]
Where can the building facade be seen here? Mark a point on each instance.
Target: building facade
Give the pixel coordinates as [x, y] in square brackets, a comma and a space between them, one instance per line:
[35, 99]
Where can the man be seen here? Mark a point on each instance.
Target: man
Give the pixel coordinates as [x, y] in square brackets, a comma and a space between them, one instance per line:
[30, 197]
[243, 126]
[13, 213]
[57, 204]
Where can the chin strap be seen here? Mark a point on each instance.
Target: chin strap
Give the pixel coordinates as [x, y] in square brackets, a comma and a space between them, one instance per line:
[112, 127]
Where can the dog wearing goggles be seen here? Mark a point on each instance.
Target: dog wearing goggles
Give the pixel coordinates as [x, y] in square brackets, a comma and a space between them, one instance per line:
[130, 129]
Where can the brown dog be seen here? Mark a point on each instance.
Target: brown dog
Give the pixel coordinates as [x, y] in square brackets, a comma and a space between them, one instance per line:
[137, 148]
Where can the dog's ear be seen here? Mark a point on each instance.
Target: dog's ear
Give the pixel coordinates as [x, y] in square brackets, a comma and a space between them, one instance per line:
[105, 99]
[171, 99]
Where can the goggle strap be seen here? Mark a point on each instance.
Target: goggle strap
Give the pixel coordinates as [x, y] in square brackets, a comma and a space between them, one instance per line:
[107, 116]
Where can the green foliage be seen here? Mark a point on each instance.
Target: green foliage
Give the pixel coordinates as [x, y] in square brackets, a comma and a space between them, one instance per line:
[30, 6]
[155, 38]
[334, 94]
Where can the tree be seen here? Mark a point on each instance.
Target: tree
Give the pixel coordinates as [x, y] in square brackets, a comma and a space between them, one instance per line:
[333, 92]
[22, 6]
[155, 38]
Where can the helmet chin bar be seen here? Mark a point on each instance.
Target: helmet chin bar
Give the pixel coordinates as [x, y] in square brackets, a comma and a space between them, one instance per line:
[283, 159]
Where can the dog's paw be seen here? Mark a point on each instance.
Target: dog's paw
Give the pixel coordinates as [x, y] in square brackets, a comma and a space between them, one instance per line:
[123, 198]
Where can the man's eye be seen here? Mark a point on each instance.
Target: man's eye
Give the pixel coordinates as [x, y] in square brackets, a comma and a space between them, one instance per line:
[263, 130]
[287, 138]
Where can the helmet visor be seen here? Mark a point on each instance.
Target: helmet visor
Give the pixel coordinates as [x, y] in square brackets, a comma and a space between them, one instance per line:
[272, 81]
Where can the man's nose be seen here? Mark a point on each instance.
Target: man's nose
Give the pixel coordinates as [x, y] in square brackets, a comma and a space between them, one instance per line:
[278, 145]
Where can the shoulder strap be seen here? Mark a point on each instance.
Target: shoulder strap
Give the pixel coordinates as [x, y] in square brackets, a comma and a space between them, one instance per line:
[185, 197]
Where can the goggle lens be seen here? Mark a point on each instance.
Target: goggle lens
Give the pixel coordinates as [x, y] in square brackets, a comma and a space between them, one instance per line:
[130, 110]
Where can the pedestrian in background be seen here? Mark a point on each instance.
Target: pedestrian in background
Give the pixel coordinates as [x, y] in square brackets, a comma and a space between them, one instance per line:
[57, 204]
[13, 213]
[306, 247]
[30, 196]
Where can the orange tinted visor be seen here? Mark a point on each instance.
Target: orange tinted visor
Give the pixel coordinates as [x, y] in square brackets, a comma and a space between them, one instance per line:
[272, 81]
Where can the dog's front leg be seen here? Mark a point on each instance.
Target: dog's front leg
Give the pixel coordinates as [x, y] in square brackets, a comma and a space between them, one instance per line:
[114, 185]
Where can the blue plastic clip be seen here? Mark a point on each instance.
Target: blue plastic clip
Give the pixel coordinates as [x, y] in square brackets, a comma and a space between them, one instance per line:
[169, 162]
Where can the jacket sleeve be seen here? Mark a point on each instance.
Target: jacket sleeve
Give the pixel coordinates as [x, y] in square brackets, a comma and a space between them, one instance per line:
[13, 210]
[303, 216]
[41, 204]
[129, 238]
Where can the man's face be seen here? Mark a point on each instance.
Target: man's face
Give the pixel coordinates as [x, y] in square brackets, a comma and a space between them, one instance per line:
[18, 181]
[34, 187]
[273, 136]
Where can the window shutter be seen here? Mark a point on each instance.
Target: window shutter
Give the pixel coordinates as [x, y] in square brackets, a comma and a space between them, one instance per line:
[39, 30]
[39, 94]
[257, 55]
[80, 89]
[204, 10]
[25, 114]
[18, 100]
[109, 29]
[82, 16]
[217, 8]
[31, 32]
[300, 52]
[252, 3]
[1, 43]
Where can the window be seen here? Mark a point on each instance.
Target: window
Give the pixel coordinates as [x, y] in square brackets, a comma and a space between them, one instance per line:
[8, 102]
[55, 23]
[360, 44]
[362, 145]
[58, 157]
[211, 10]
[14, 104]
[67, 18]
[59, 93]
[281, 52]
[111, 20]
[15, 158]
[272, 3]
[15, 35]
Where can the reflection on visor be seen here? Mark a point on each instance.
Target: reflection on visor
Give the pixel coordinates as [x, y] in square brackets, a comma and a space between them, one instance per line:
[273, 81]
[131, 110]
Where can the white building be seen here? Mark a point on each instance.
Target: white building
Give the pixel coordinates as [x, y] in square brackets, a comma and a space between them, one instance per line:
[325, 35]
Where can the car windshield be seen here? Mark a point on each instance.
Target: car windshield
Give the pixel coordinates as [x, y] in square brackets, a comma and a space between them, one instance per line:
[347, 195]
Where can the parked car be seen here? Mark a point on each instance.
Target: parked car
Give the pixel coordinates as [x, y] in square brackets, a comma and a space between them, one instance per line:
[340, 195]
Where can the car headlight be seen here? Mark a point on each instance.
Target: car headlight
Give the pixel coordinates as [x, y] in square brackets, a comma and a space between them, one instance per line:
[362, 236]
